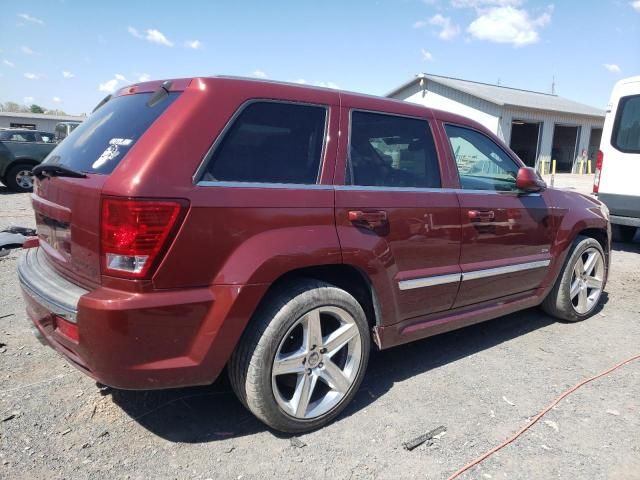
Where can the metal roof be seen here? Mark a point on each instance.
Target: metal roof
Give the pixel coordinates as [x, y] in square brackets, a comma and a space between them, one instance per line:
[43, 116]
[507, 96]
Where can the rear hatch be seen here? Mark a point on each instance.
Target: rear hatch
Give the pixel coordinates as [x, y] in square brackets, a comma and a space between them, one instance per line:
[68, 209]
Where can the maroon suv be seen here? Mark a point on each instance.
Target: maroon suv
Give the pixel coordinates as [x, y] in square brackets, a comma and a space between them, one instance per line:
[278, 229]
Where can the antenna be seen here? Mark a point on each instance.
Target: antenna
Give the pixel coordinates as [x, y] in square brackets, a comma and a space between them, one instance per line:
[499, 82]
[553, 85]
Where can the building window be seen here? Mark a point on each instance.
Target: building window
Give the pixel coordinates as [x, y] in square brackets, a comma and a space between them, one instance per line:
[30, 126]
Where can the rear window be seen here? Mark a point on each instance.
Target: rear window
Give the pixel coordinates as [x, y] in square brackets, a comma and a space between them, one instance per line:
[271, 142]
[99, 143]
[626, 130]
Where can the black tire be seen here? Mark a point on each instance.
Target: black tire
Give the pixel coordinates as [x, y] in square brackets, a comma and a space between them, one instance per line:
[558, 302]
[623, 233]
[11, 177]
[250, 367]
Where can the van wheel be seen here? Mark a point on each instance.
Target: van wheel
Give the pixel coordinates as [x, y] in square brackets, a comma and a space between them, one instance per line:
[579, 286]
[19, 178]
[623, 233]
[303, 356]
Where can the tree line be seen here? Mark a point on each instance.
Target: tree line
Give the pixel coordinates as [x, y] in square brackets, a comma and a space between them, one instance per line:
[33, 108]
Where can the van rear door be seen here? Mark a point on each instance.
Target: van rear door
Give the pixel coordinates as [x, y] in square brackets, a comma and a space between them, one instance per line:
[620, 150]
[68, 209]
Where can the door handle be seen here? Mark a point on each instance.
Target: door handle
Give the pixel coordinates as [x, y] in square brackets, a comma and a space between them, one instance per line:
[481, 215]
[369, 219]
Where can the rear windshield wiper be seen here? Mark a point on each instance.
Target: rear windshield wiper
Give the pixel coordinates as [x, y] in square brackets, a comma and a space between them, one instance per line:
[44, 170]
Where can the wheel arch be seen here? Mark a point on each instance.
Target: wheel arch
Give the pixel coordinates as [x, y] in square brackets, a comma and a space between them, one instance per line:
[344, 276]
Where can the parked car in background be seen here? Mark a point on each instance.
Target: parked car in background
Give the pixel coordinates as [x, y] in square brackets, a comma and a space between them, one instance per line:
[63, 129]
[290, 230]
[618, 162]
[20, 151]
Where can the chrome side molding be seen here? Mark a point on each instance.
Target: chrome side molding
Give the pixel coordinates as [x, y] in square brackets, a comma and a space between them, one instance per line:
[474, 275]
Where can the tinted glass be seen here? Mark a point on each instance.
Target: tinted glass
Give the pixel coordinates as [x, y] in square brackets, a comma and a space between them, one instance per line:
[104, 138]
[482, 164]
[271, 142]
[22, 137]
[390, 151]
[626, 132]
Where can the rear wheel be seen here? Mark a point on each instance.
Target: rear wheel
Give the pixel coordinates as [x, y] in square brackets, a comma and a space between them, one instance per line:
[303, 356]
[19, 178]
[579, 286]
[623, 233]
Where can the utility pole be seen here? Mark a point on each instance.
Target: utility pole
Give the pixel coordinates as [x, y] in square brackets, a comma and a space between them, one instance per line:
[553, 85]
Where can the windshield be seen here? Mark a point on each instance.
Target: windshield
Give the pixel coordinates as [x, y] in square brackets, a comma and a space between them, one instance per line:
[99, 143]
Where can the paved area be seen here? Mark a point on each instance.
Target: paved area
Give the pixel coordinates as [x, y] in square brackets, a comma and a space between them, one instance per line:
[572, 181]
[482, 383]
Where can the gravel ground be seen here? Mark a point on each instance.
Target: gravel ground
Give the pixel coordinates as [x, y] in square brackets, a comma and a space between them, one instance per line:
[482, 383]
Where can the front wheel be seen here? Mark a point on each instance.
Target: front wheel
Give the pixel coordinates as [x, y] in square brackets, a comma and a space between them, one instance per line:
[19, 178]
[579, 287]
[303, 356]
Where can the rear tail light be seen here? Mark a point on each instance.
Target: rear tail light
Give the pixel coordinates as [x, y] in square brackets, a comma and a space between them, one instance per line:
[598, 172]
[133, 233]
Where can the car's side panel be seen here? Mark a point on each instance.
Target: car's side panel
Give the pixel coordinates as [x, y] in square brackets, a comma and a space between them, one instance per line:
[412, 261]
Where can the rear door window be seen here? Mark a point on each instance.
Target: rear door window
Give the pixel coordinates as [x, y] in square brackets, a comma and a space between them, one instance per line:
[391, 151]
[626, 130]
[102, 140]
[271, 142]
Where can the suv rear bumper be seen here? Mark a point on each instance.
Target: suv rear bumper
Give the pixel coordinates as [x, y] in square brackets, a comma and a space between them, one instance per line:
[139, 341]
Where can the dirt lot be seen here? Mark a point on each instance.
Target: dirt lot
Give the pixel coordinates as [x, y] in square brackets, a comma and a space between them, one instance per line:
[482, 383]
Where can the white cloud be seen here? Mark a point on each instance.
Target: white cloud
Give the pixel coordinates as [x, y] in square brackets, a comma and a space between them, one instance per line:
[156, 36]
[426, 55]
[134, 32]
[29, 99]
[508, 25]
[612, 67]
[259, 74]
[635, 5]
[448, 29]
[112, 85]
[485, 3]
[27, 51]
[67, 74]
[8, 63]
[56, 100]
[151, 35]
[420, 24]
[144, 77]
[31, 76]
[29, 18]
[194, 44]
[301, 81]
[327, 85]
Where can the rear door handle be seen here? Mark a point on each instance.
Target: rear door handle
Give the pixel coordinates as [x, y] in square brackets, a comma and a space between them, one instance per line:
[481, 215]
[369, 219]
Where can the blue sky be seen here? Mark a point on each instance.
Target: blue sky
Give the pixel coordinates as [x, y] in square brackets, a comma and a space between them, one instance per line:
[69, 54]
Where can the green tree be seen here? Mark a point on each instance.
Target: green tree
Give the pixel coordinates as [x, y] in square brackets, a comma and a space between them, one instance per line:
[36, 109]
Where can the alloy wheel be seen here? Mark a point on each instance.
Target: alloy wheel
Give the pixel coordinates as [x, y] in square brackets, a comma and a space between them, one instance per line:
[24, 179]
[587, 280]
[317, 362]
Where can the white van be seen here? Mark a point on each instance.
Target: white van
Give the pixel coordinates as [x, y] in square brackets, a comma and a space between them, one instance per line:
[617, 175]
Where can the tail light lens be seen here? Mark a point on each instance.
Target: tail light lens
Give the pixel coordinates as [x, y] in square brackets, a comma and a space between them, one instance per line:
[598, 172]
[133, 233]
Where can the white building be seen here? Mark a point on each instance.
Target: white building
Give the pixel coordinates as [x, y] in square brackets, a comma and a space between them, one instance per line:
[537, 126]
[35, 121]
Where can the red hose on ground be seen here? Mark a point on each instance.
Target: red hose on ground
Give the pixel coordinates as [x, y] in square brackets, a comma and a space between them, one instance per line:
[509, 440]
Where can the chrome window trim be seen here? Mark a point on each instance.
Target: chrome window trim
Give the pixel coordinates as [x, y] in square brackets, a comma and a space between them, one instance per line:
[295, 186]
[491, 272]
[207, 156]
[421, 282]
[429, 281]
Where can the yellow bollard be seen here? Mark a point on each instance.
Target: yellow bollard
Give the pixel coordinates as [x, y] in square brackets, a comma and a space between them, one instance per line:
[589, 166]
[581, 167]
[553, 167]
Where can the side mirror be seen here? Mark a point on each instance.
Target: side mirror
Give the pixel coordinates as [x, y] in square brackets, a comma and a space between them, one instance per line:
[528, 180]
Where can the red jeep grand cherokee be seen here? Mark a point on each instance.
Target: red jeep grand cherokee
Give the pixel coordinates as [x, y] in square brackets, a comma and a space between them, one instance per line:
[279, 229]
